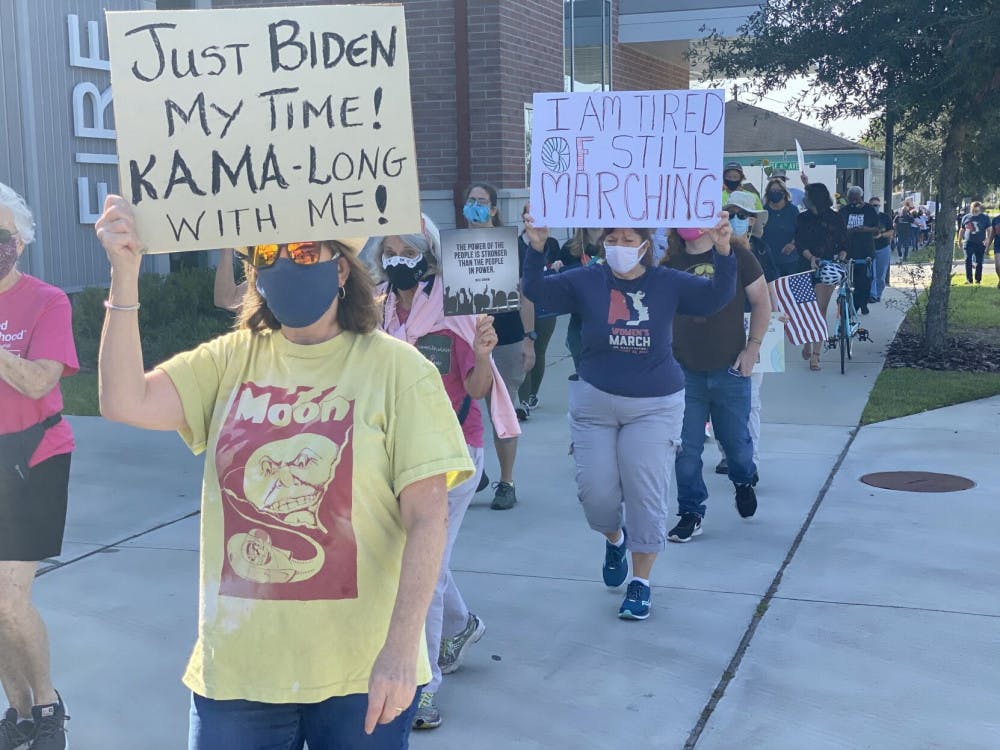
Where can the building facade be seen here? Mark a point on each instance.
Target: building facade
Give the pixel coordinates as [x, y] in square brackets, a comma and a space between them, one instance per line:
[475, 65]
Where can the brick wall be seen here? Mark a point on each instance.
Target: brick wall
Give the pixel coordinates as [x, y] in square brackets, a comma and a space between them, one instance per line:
[634, 71]
[531, 44]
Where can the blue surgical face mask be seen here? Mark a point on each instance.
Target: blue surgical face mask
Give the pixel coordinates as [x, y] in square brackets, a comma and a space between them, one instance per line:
[299, 295]
[476, 213]
[740, 226]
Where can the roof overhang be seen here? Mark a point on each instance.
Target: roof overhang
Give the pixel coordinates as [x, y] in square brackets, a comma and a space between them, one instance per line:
[646, 21]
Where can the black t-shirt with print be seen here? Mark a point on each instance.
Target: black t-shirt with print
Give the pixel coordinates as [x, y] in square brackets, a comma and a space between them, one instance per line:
[860, 245]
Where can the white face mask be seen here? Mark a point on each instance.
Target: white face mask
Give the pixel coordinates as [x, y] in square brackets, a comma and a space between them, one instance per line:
[623, 259]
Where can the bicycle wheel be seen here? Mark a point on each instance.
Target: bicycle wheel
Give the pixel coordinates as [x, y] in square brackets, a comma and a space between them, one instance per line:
[843, 332]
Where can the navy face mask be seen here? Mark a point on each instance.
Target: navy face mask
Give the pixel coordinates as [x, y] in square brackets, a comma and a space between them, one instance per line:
[299, 295]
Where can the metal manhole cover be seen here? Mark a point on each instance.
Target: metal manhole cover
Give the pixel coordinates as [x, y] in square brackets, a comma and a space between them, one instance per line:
[918, 481]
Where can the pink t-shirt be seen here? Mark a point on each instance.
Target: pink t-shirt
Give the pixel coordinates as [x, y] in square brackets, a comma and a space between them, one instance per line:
[36, 323]
[455, 364]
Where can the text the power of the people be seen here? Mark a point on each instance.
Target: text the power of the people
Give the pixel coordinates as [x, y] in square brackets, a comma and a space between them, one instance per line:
[239, 127]
[627, 158]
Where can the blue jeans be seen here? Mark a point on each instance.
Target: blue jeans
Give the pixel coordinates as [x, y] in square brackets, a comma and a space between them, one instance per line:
[334, 724]
[883, 257]
[726, 398]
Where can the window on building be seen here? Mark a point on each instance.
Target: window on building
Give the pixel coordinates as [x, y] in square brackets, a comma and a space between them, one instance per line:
[587, 42]
[848, 178]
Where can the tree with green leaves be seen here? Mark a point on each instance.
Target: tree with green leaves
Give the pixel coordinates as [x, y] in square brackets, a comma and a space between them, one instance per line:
[921, 62]
[917, 157]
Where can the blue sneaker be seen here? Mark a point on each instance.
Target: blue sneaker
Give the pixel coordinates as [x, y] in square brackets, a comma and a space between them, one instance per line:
[636, 604]
[615, 562]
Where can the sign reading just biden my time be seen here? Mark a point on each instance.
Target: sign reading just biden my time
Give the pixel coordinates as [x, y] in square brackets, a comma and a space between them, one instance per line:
[239, 127]
[627, 158]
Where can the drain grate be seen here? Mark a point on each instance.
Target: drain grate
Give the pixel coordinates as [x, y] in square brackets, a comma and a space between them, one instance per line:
[918, 481]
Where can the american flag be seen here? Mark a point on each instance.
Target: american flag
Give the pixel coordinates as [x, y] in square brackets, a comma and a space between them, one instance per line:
[798, 301]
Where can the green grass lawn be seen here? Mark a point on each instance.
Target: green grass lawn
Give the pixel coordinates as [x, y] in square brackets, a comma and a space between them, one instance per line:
[80, 395]
[902, 391]
[974, 311]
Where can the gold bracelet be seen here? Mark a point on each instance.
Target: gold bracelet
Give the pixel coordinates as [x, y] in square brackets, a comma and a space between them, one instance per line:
[756, 340]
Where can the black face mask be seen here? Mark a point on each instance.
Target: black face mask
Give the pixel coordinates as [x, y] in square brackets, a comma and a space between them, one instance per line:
[405, 273]
[732, 184]
[775, 196]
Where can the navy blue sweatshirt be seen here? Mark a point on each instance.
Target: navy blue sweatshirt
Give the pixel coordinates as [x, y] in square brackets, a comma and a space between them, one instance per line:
[628, 325]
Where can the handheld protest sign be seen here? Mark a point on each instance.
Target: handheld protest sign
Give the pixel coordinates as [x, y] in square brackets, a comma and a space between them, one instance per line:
[627, 158]
[480, 270]
[263, 125]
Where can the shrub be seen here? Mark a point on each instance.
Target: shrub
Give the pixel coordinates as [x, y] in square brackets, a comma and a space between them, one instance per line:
[177, 314]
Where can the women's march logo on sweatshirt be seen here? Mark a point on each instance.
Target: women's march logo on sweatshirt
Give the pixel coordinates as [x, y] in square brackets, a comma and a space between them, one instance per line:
[285, 464]
[626, 314]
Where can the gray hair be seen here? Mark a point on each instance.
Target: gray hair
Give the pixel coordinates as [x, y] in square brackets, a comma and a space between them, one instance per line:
[428, 243]
[856, 190]
[23, 220]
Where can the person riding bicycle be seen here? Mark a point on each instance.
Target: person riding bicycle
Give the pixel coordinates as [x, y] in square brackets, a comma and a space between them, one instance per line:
[862, 226]
[820, 234]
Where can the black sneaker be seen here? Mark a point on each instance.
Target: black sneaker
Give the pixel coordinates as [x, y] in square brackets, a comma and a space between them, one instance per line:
[505, 497]
[50, 726]
[865, 310]
[722, 467]
[746, 500]
[522, 413]
[573, 378]
[14, 734]
[689, 526]
[484, 482]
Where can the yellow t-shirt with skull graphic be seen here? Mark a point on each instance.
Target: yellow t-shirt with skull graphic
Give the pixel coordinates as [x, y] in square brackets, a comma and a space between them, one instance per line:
[308, 448]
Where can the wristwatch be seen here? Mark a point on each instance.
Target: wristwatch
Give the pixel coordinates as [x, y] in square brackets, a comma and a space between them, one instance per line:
[533, 335]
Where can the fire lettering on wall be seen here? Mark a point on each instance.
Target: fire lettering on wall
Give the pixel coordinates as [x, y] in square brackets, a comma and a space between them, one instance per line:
[91, 114]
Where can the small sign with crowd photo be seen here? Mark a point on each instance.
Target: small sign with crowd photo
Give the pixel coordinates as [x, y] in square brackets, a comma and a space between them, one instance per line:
[480, 269]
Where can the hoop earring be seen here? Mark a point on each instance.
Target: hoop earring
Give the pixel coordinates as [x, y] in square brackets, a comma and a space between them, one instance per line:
[342, 293]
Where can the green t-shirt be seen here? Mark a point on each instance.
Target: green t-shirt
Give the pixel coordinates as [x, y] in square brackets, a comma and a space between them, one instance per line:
[301, 534]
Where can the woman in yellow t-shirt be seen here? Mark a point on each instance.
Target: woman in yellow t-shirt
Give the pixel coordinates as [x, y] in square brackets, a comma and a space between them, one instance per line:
[331, 448]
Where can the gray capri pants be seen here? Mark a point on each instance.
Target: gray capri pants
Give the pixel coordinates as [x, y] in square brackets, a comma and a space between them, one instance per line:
[624, 450]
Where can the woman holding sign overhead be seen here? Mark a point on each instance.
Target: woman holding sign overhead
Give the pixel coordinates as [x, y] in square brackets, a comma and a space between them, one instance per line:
[331, 449]
[627, 408]
[411, 297]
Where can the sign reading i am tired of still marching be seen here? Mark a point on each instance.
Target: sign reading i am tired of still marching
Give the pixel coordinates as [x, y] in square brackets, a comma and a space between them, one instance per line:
[262, 125]
[627, 158]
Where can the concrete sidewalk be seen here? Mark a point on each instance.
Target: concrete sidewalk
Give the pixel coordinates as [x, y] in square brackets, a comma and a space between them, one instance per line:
[879, 634]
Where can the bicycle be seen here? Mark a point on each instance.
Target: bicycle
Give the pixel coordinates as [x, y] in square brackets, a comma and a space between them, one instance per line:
[848, 323]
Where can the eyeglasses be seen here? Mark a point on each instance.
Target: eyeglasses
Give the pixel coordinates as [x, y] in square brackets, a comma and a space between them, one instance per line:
[6, 235]
[480, 201]
[739, 215]
[265, 256]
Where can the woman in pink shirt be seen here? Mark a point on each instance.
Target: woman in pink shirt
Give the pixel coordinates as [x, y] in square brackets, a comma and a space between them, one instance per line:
[36, 351]
[412, 302]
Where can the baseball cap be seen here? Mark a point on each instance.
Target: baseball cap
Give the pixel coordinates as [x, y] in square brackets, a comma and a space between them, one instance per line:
[743, 200]
[734, 165]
